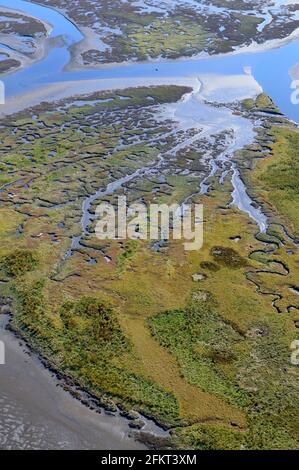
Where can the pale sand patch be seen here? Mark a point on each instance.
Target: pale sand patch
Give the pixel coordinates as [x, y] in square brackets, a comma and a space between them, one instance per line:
[91, 41]
[229, 88]
[294, 72]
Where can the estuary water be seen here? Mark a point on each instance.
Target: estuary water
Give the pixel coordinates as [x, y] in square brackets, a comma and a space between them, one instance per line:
[270, 67]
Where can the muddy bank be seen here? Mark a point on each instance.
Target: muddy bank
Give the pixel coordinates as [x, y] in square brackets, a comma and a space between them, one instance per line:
[36, 413]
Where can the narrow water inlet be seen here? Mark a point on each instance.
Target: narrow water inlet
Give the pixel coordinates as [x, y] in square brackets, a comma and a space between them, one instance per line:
[244, 203]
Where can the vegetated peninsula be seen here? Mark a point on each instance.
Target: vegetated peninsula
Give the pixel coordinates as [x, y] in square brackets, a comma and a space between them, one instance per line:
[21, 39]
[207, 355]
[118, 30]
[121, 30]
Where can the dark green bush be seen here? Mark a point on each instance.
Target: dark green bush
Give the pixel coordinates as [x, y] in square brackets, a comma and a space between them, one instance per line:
[19, 262]
[228, 257]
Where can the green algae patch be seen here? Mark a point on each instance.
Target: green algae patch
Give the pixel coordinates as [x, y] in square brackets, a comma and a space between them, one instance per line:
[261, 103]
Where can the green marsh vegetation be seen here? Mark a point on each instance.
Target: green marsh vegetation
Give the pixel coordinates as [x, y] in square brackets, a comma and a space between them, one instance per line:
[245, 368]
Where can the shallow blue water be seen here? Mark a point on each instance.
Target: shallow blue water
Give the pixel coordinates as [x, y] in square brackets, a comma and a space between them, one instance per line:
[61, 25]
[270, 68]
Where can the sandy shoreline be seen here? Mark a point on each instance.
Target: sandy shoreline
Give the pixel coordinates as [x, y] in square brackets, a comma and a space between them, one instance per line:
[61, 90]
